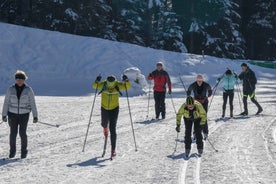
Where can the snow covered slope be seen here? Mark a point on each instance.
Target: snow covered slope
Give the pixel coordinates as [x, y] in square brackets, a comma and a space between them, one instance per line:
[63, 65]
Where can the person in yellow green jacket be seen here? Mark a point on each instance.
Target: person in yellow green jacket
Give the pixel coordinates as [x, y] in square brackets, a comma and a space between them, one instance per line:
[110, 91]
[193, 113]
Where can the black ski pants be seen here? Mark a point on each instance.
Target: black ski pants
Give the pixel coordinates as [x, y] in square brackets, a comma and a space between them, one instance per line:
[228, 94]
[205, 128]
[252, 97]
[110, 117]
[160, 107]
[21, 121]
[197, 130]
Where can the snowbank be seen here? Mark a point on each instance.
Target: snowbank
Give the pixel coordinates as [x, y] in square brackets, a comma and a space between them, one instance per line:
[67, 65]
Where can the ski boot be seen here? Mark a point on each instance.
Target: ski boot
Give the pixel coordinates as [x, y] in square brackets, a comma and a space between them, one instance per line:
[187, 152]
[259, 111]
[24, 154]
[231, 114]
[244, 113]
[113, 153]
[200, 151]
[223, 114]
[12, 154]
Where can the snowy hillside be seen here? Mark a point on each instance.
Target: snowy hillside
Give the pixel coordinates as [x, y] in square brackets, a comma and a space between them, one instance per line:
[62, 64]
[65, 66]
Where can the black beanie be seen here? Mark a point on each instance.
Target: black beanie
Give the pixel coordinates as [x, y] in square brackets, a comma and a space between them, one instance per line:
[111, 78]
[244, 64]
[20, 76]
[228, 72]
[190, 100]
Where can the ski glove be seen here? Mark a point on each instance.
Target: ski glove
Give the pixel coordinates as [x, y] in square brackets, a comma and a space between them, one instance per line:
[236, 75]
[150, 75]
[35, 120]
[177, 128]
[218, 79]
[4, 118]
[170, 91]
[99, 78]
[125, 78]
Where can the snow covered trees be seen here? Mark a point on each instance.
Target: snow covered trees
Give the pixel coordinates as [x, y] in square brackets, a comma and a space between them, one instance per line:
[223, 28]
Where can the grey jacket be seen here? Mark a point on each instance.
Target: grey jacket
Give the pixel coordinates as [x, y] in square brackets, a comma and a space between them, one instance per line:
[24, 105]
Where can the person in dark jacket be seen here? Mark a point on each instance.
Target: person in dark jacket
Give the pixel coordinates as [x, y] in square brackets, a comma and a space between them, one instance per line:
[202, 90]
[19, 102]
[249, 85]
[229, 80]
[161, 78]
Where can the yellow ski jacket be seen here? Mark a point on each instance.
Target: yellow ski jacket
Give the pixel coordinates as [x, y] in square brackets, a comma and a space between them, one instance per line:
[198, 113]
[110, 96]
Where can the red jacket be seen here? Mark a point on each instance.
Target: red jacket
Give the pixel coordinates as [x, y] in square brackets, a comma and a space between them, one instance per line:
[161, 78]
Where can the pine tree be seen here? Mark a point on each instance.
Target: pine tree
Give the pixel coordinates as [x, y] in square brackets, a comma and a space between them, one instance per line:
[224, 39]
[261, 34]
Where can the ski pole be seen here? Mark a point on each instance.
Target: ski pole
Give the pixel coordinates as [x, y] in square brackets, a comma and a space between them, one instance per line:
[173, 104]
[212, 145]
[83, 148]
[176, 140]
[131, 122]
[48, 124]
[239, 95]
[215, 90]
[149, 99]
[182, 82]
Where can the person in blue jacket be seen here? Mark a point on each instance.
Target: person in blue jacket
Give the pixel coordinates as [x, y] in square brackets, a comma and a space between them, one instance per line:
[228, 79]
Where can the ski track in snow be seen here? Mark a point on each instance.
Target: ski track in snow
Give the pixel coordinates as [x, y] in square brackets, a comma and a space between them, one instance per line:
[246, 147]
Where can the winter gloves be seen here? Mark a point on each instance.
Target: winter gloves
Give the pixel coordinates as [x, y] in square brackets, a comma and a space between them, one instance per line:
[98, 79]
[125, 78]
[170, 91]
[177, 128]
[4, 118]
[35, 120]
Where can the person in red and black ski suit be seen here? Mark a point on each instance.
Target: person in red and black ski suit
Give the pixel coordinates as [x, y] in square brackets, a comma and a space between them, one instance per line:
[202, 91]
[161, 78]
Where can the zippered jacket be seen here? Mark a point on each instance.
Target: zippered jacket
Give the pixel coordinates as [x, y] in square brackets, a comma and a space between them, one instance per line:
[197, 113]
[249, 80]
[161, 78]
[23, 105]
[110, 96]
[228, 82]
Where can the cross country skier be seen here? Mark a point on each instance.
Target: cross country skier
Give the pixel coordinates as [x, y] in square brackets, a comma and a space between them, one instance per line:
[110, 90]
[202, 90]
[19, 102]
[161, 78]
[249, 85]
[193, 113]
[228, 79]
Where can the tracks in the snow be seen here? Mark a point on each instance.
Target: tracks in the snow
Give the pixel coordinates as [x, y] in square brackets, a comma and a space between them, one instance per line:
[190, 168]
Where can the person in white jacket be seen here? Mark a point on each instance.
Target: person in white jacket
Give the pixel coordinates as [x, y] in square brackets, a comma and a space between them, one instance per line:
[19, 102]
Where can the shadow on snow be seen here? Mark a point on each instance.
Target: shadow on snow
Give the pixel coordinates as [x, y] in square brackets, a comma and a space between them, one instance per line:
[92, 162]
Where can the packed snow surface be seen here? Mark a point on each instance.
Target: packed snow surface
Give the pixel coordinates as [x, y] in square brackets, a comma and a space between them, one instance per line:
[61, 69]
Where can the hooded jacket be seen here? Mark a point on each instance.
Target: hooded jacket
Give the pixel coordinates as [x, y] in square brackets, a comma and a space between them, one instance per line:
[198, 113]
[22, 105]
[110, 96]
